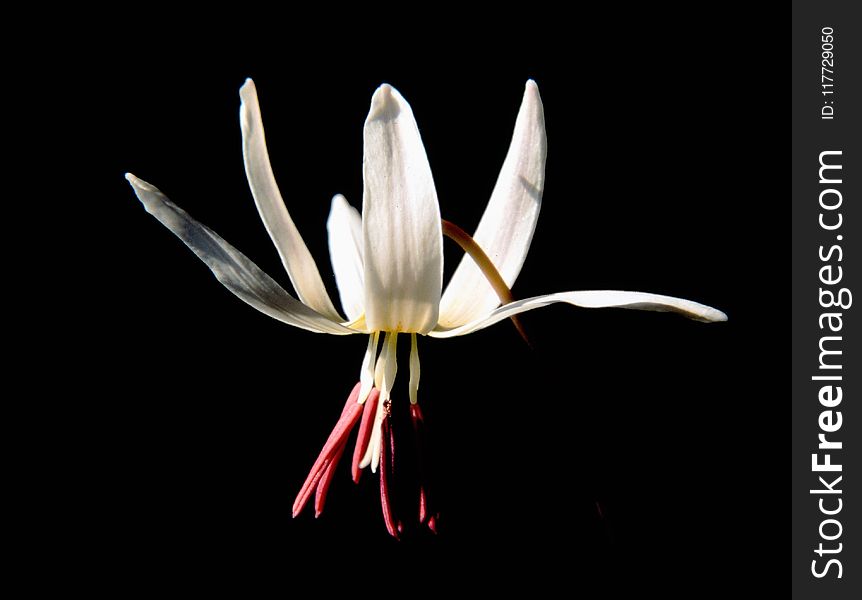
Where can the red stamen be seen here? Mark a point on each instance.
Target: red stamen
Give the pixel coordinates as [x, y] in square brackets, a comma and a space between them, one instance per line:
[305, 493]
[364, 435]
[326, 480]
[391, 446]
[338, 437]
[394, 528]
[418, 420]
[416, 415]
[423, 504]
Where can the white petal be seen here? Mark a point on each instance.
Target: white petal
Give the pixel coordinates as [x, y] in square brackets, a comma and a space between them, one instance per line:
[294, 254]
[236, 272]
[345, 251]
[400, 221]
[507, 227]
[594, 299]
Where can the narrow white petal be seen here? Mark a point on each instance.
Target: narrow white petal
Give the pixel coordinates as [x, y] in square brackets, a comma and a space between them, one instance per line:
[345, 251]
[414, 370]
[366, 374]
[236, 272]
[400, 221]
[506, 229]
[294, 254]
[593, 299]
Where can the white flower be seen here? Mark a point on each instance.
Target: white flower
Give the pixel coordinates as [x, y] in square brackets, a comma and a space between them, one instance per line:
[388, 262]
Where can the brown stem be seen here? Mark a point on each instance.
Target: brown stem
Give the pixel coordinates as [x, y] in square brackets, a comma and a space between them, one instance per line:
[469, 245]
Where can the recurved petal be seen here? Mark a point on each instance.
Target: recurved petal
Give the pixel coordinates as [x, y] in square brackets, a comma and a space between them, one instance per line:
[593, 299]
[506, 229]
[403, 258]
[345, 251]
[294, 254]
[236, 272]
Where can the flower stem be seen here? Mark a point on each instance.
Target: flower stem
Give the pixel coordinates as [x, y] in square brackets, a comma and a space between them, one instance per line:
[469, 245]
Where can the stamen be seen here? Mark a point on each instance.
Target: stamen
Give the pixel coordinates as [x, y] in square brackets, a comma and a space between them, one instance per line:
[423, 504]
[384, 377]
[379, 366]
[414, 369]
[418, 420]
[391, 367]
[393, 526]
[391, 439]
[373, 446]
[327, 457]
[319, 468]
[425, 516]
[469, 245]
[364, 434]
[309, 486]
[366, 373]
[326, 480]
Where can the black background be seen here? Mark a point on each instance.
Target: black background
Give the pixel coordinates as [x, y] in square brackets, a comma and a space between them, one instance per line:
[201, 417]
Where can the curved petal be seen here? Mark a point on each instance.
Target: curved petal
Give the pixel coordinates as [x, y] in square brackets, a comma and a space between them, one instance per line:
[401, 228]
[294, 254]
[236, 272]
[345, 252]
[593, 299]
[507, 227]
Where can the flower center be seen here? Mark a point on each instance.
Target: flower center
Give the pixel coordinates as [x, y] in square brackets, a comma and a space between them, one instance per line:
[370, 405]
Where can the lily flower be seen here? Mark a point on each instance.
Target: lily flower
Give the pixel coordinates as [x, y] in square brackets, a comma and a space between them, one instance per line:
[388, 265]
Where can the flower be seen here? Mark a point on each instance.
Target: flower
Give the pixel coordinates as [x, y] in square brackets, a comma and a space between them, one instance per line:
[388, 265]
